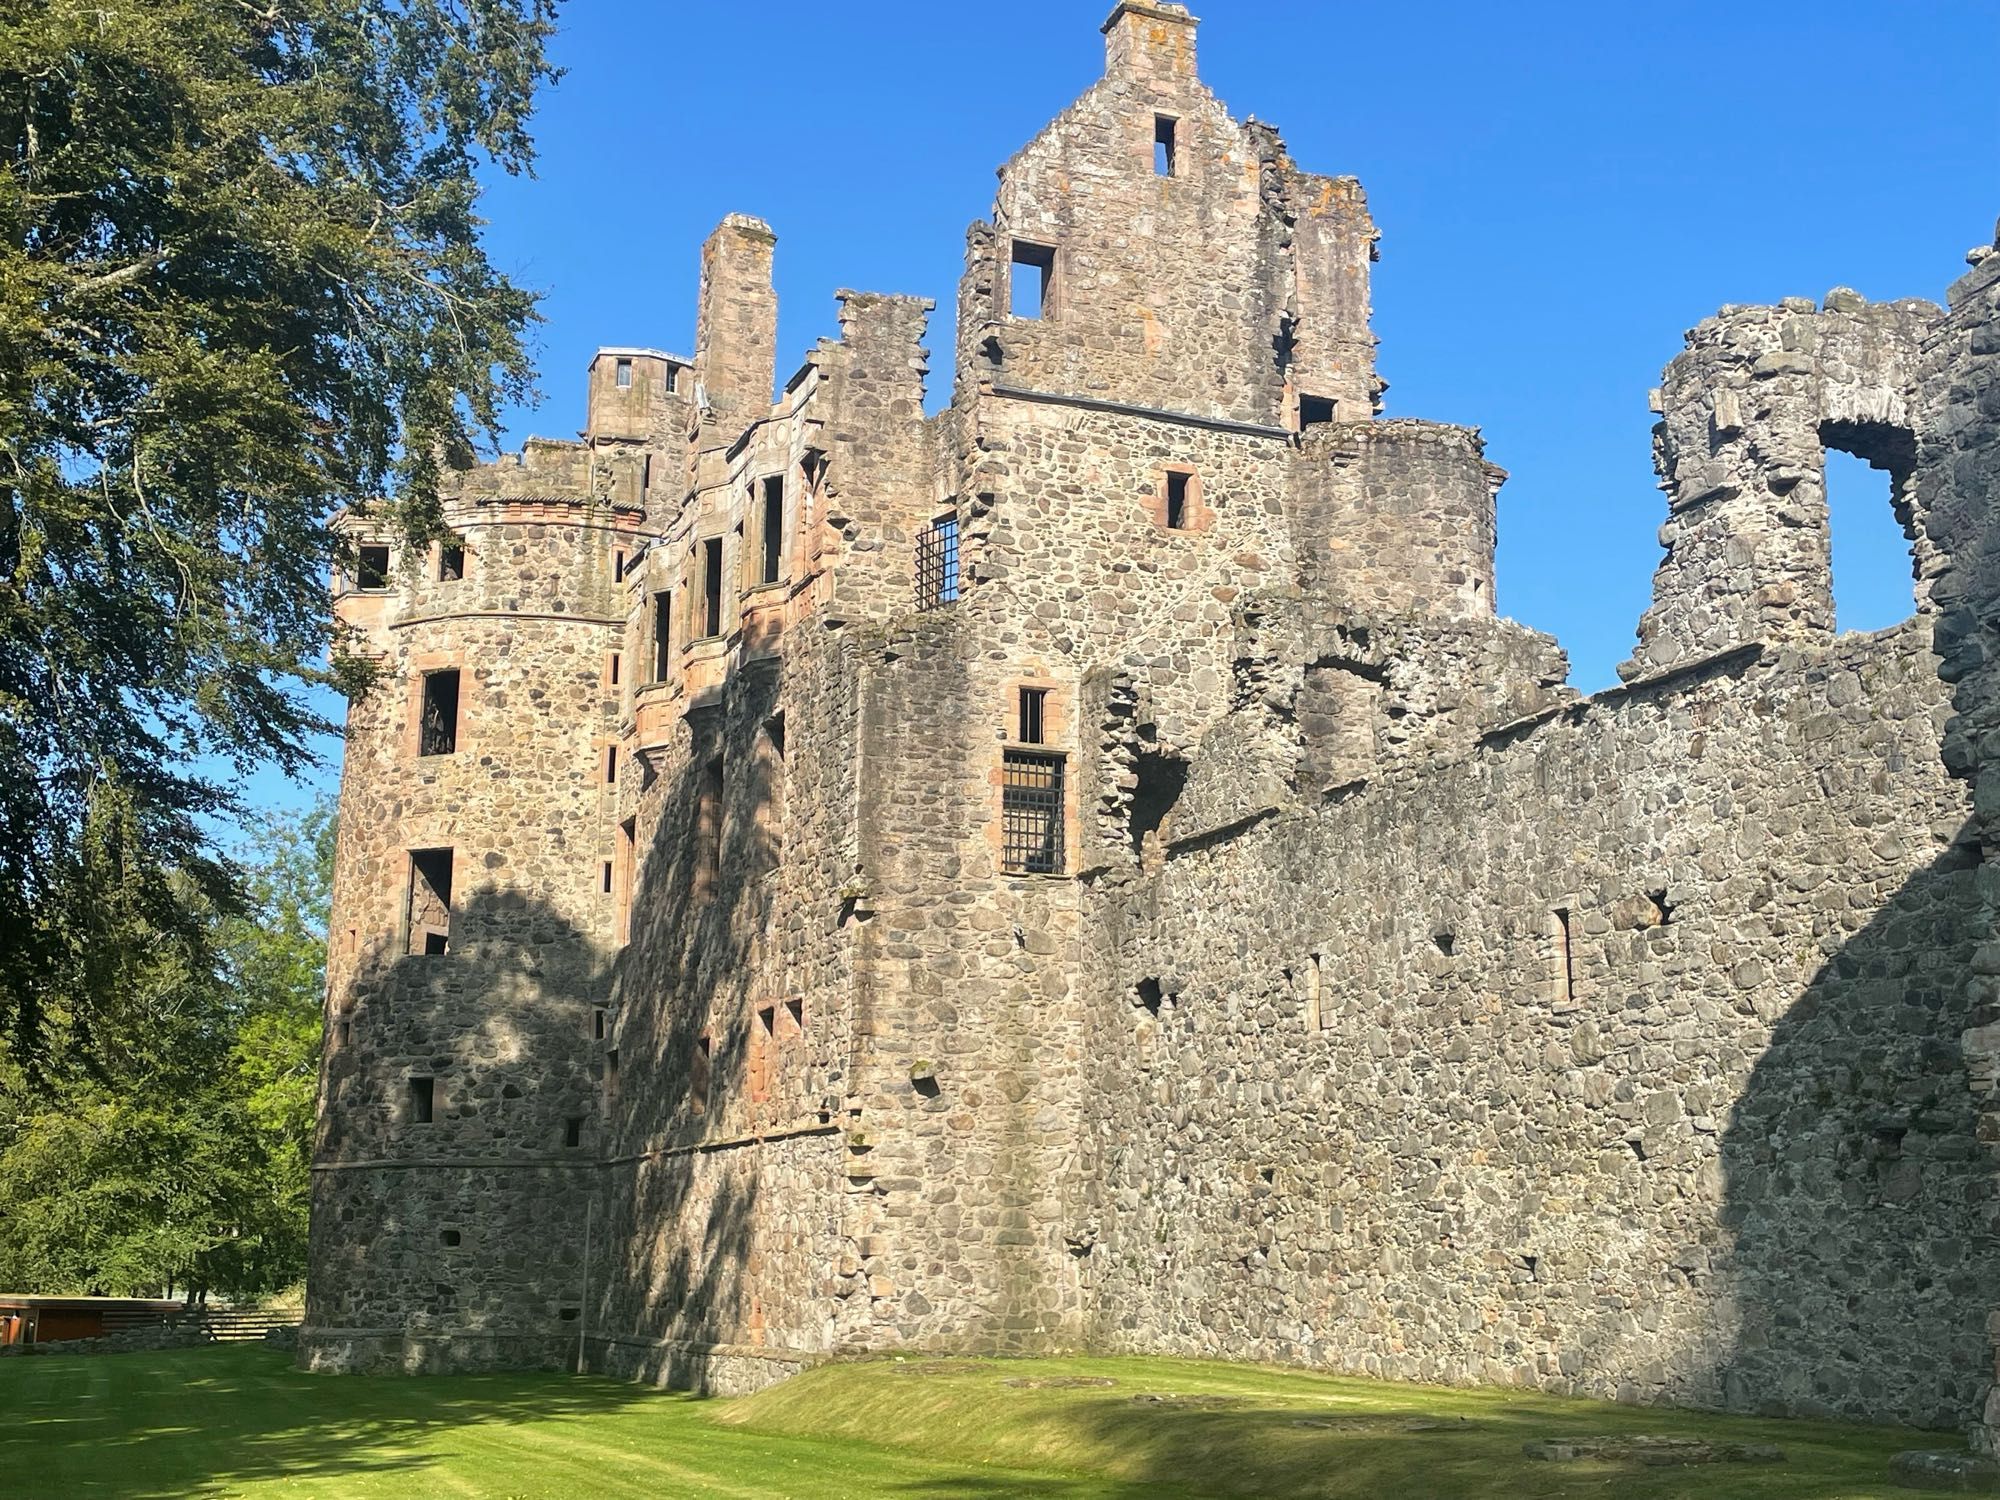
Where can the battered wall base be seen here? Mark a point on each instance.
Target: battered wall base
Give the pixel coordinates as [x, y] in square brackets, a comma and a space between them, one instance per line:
[706, 1369]
[384, 1351]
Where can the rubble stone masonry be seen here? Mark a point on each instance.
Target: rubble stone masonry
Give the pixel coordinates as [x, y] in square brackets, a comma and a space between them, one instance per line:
[1089, 868]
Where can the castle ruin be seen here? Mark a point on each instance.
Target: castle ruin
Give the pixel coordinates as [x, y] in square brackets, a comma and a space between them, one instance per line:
[1090, 868]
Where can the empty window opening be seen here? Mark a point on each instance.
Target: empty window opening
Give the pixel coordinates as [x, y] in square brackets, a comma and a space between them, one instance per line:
[437, 732]
[598, 1018]
[611, 1074]
[1032, 289]
[673, 379]
[937, 562]
[346, 1031]
[711, 587]
[1873, 585]
[618, 566]
[571, 1314]
[448, 1238]
[423, 1100]
[1316, 411]
[1033, 715]
[699, 1068]
[451, 562]
[774, 734]
[611, 671]
[611, 765]
[663, 634]
[372, 567]
[606, 877]
[1313, 982]
[767, 1019]
[1445, 942]
[572, 1132]
[429, 910]
[1162, 779]
[1031, 813]
[1163, 146]
[796, 1009]
[1180, 490]
[1565, 957]
[646, 472]
[1150, 996]
[624, 374]
[772, 534]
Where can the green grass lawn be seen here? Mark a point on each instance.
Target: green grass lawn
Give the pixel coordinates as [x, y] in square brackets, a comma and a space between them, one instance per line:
[241, 1421]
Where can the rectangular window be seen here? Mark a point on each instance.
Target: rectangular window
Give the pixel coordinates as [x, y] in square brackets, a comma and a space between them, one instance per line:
[1031, 813]
[624, 374]
[646, 474]
[1315, 411]
[437, 727]
[604, 877]
[598, 1018]
[372, 567]
[423, 1100]
[628, 860]
[611, 668]
[428, 914]
[611, 765]
[618, 565]
[772, 532]
[1032, 284]
[573, 1132]
[663, 634]
[1163, 145]
[937, 562]
[451, 562]
[1179, 485]
[673, 379]
[611, 1074]
[1033, 701]
[711, 587]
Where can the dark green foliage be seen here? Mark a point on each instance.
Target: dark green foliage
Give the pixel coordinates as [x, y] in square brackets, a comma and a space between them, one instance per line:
[169, 1146]
[241, 287]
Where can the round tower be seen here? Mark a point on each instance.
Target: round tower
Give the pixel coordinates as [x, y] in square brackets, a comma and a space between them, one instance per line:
[472, 929]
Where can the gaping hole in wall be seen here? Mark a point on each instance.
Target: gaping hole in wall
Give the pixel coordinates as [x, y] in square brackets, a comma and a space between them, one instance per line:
[772, 530]
[451, 563]
[1664, 912]
[711, 587]
[437, 729]
[1162, 779]
[1445, 941]
[1315, 411]
[449, 1238]
[423, 1100]
[1031, 290]
[429, 910]
[663, 635]
[371, 566]
[1868, 510]
[1164, 162]
[937, 562]
[1150, 996]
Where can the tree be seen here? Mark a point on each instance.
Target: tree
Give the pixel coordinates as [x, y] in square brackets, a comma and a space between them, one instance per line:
[241, 288]
[169, 1147]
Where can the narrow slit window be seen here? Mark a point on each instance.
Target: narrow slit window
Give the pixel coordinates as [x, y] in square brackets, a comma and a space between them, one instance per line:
[646, 473]
[605, 877]
[618, 566]
[598, 1018]
[429, 913]
[451, 562]
[1164, 164]
[611, 765]
[423, 1100]
[372, 567]
[628, 862]
[573, 1132]
[1031, 813]
[937, 563]
[1315, 411]
[663, 636]
[624, 374]
[611, 671]
[1565, 985]
[711, 587]
[1033, 706]
[1179, 510]
[1313, 984]
[437, 729]
[772, 534]
[698, 1077]
[1032, 289]
[767, 1019]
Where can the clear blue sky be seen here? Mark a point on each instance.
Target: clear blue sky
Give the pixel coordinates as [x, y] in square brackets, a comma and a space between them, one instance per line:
[1562, 189]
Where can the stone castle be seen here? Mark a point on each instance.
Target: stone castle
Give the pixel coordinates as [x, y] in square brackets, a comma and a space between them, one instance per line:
[1089, 868]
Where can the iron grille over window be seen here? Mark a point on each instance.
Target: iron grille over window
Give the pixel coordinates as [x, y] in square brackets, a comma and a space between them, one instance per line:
[937, 563]
[1031, 813]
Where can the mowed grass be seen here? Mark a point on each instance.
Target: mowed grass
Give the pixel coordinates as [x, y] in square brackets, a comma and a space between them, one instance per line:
[241, 1421]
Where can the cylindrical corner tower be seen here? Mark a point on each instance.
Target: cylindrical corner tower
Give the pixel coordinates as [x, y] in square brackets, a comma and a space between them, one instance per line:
[472, 931]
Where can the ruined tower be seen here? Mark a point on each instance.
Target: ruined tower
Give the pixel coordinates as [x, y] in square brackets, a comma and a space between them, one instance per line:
[1090, 867]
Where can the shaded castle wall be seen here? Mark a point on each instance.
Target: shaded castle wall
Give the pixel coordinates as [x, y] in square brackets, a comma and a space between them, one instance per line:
[1713, 1146]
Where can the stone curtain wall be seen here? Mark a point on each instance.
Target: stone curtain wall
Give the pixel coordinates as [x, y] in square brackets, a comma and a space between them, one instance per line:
[1731, 1161]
